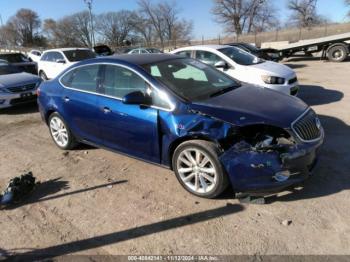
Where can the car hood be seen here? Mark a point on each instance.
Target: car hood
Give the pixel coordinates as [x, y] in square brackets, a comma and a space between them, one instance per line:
[18, 79]
[273, 69]
[253, 105]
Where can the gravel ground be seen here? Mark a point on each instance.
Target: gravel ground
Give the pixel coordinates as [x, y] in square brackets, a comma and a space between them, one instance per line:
[95, 202]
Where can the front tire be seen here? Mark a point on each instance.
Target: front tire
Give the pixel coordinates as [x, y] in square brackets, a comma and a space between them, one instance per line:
[198, 169]
[43, 76]
[60, 132]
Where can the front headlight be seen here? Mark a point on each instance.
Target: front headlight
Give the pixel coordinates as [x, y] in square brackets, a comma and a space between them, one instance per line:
[273, 80]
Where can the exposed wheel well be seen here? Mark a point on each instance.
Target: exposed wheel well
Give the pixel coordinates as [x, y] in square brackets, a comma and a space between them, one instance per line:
[180, 140]
[48, 114]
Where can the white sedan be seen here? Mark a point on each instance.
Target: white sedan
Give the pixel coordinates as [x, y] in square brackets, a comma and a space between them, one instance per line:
[245, 67]
[54, 61]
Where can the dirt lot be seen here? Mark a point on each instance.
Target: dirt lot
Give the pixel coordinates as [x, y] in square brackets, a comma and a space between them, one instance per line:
[92, 201]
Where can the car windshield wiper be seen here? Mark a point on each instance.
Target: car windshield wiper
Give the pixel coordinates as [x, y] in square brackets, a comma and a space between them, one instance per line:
[223, 90]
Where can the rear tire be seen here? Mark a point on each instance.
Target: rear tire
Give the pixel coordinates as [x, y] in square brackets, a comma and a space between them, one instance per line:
[60, 132]
[337, 53]
[198, 169]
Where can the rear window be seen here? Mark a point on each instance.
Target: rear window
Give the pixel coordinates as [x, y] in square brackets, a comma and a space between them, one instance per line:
[79, 55]
[14, 58]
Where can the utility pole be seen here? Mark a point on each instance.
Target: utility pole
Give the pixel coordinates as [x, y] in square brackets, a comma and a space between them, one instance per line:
[89, 5]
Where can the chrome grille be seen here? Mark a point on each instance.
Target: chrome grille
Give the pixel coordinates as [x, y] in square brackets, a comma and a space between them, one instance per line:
[308, 126]
[18, 89]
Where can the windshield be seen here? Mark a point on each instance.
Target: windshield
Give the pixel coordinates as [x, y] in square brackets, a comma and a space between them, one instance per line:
[14, 58]
[191, 79]
[7, 70]
[78, 55]
[239, 56]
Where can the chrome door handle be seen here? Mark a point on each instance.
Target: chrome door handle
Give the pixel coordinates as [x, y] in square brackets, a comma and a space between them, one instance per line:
[106, 110]
[66, 99]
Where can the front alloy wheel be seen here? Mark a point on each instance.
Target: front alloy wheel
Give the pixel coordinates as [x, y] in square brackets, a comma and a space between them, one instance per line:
[60, 132]
[198, 169]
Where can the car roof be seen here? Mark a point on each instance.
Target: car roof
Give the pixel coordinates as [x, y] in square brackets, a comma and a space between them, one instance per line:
[141, 59]
[66, 49]
[202, 47]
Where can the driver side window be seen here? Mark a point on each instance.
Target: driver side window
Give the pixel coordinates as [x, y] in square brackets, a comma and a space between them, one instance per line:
[120, 81]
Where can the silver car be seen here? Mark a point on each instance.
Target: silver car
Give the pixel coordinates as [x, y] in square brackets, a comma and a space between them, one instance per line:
[16, 87]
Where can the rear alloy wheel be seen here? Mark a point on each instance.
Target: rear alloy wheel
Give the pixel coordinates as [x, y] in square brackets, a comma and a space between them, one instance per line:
[198, 169]
[60, 132]
[43, 76]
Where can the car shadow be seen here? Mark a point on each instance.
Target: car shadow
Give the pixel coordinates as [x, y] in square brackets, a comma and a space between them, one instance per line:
[20, 109]
[317, 95]
[129, 234]
[295, 66]
[48, 190]
[310, 58]
[331, 175]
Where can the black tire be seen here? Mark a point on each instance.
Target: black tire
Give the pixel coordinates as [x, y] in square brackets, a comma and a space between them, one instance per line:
[337, 53]
[43, 76]
[212, 151]
[71, 141]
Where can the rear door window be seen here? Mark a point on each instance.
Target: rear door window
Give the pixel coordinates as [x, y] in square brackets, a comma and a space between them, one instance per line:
[208, 57]
[83, 78]
[185, 53]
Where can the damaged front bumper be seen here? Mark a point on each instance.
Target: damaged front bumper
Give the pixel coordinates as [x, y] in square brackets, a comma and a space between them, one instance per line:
[271, 171]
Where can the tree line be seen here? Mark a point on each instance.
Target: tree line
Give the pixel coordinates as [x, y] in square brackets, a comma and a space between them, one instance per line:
[152, 22]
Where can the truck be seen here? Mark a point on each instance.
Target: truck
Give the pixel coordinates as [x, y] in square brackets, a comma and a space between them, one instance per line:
[335, 48]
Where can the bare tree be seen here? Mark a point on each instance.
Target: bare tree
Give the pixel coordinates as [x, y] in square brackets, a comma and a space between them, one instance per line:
[347, 2]
[143, 27]
[164, 17]
[26, 24]
[115, 27]
[240, 16]
[304, 12]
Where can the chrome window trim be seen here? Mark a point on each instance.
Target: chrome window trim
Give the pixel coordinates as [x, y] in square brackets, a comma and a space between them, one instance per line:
[296, 133]
[171, 105]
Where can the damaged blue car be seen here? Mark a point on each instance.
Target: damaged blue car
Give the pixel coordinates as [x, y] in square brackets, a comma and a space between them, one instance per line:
[185, 115]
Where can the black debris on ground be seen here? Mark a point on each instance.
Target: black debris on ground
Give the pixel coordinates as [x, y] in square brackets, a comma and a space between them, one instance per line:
[18, 189]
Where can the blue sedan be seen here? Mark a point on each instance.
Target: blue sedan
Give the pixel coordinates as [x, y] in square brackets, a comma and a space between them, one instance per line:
[182, 114]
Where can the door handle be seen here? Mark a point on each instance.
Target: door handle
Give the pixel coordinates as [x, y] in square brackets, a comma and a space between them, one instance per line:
[106, 110]
[66, 99]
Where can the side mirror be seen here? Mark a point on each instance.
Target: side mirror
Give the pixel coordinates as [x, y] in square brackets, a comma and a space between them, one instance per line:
[221, 64]
[60, 61]
[137, 98]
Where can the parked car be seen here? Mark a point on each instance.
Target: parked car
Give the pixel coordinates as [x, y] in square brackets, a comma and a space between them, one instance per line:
[245, 67]
[54, 61]
[23, 63]
[103, 50]
[145, 51]
[263, 53]
[34, 55]
[183, 114]
[16, 87]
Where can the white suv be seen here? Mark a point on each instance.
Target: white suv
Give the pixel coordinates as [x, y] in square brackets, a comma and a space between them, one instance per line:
[245, 67]
[54, 61]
